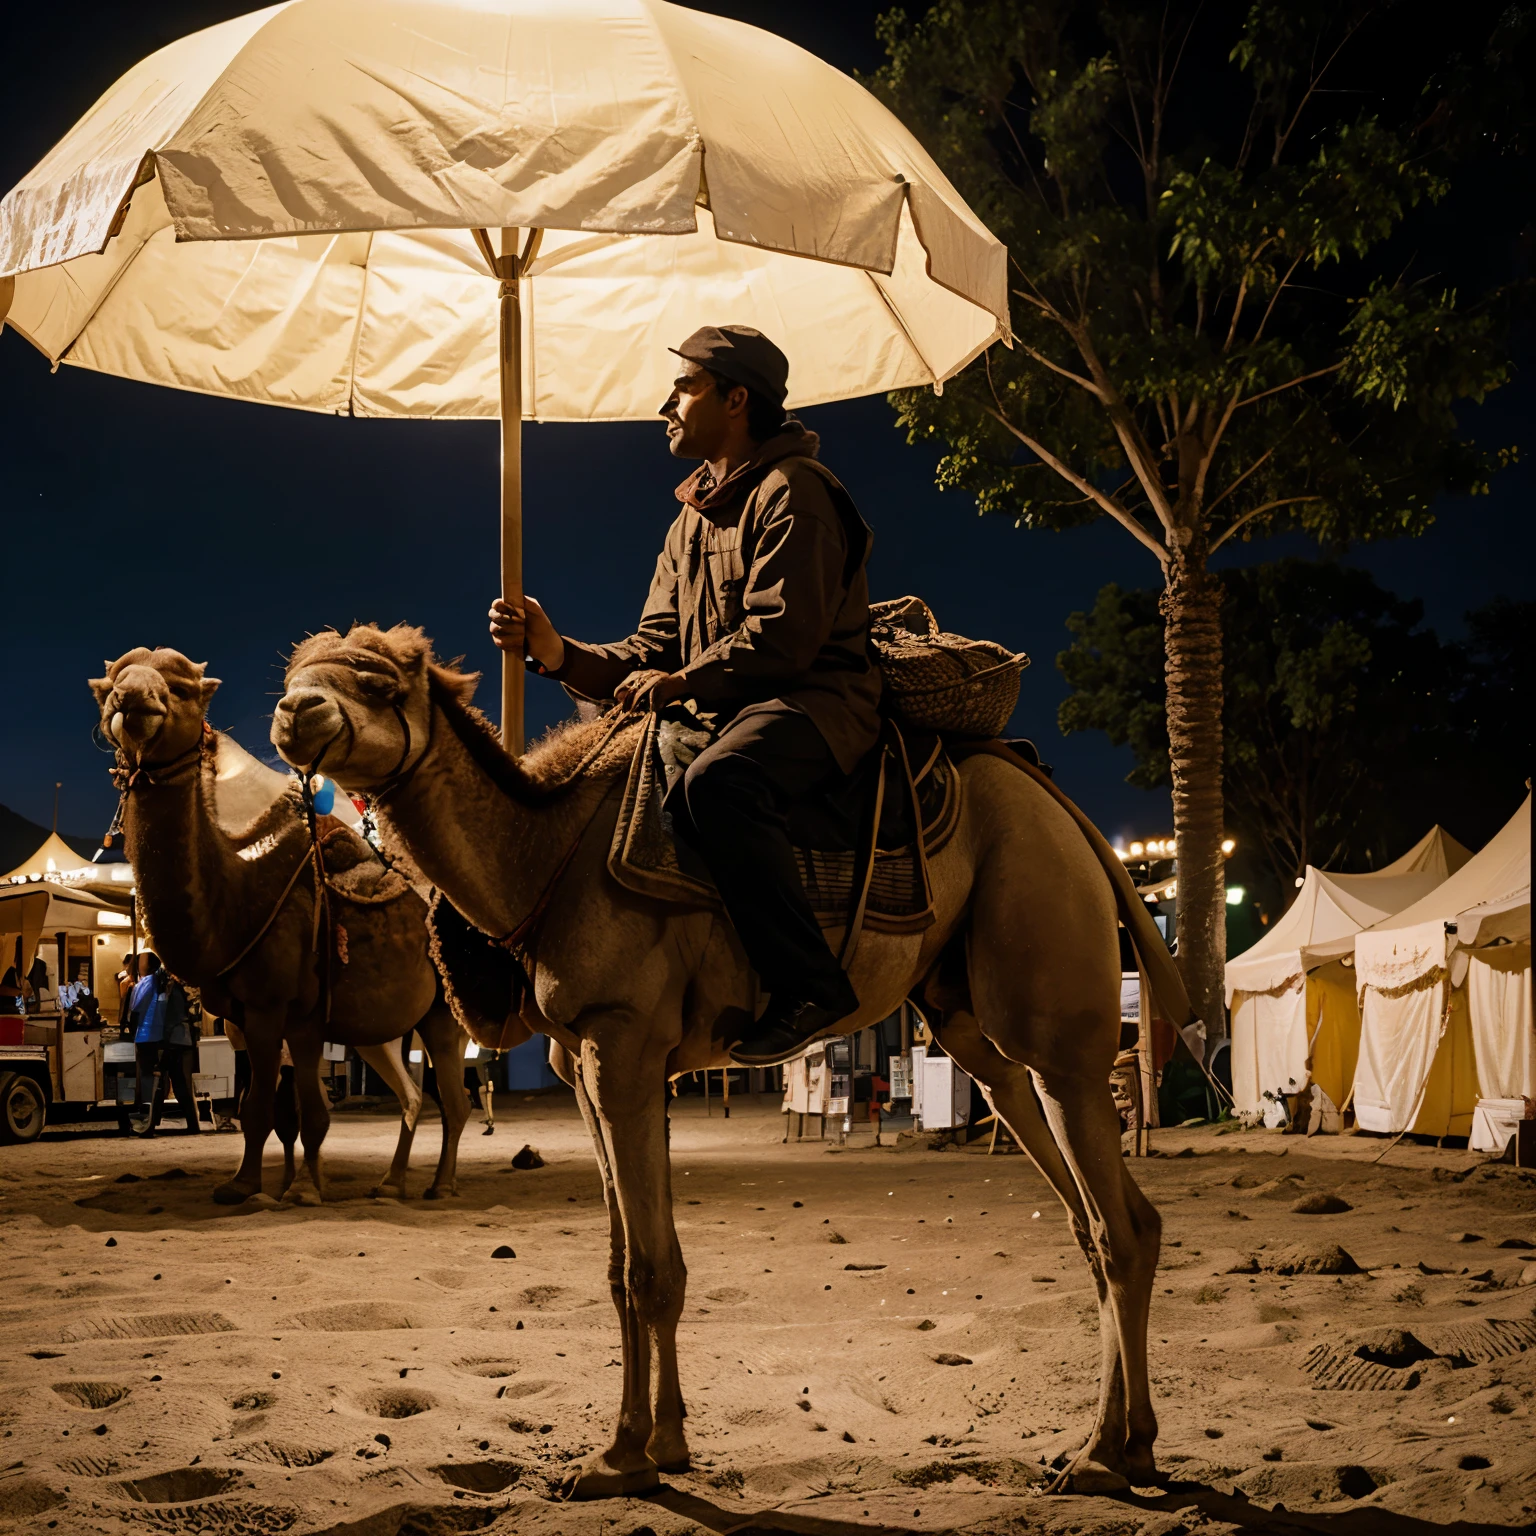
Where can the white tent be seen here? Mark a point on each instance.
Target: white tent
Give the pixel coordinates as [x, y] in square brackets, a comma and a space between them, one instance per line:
[1291, 1000]
[1445, 995]
[1436, 853]
[52, 858]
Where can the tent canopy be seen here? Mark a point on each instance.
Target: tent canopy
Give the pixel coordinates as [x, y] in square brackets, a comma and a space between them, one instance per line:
[52, 858]
[1437, 852]
[1331, 909]
[1489, 898]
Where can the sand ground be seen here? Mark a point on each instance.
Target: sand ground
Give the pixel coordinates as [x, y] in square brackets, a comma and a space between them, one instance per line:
[893, 1340]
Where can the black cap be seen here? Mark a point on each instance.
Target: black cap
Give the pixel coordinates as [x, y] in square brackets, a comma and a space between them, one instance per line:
[742, 355]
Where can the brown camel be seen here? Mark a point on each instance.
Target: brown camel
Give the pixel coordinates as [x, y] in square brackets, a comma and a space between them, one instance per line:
[215, 839]
[1021, 973]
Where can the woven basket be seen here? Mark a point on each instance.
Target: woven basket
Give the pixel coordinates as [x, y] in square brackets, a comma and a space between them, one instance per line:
[939, 681]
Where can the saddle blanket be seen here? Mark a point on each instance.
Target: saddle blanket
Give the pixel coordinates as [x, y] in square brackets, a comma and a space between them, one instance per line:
[645, 856]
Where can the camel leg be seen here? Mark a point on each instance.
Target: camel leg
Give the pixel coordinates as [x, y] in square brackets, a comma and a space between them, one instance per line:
[1014, 1098]
[628, 1097]
[668, 1444]
[264, 1046]
[1127, 1231]
[579, 1484]
[388, 1060]
[308, 1187]
[444, 1042]
[285, 1121]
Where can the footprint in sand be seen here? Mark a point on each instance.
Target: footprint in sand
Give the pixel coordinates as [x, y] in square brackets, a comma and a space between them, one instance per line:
[91, 1394]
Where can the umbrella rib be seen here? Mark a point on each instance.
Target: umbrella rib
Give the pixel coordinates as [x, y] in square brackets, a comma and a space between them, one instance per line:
[357, 330]
[895, 314]
[101, 298]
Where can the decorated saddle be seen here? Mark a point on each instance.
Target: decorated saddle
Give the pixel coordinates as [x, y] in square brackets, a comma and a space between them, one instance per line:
[862, 849]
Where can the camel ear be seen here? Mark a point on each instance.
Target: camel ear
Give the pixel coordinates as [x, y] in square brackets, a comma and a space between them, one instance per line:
[459, 685]
[101, 687]
[210, 686]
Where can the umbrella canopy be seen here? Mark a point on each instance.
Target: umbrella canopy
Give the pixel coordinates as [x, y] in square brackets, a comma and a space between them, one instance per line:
[321, 205]
[281, 209]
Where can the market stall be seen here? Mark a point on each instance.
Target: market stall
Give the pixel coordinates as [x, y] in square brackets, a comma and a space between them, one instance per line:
[65, 943]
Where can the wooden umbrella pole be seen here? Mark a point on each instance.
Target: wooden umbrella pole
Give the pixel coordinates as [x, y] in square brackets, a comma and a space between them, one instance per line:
[511, 351]
[510, 266]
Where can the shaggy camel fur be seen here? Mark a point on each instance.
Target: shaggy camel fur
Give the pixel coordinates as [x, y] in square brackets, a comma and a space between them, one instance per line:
[1021, 973]
[214, 837]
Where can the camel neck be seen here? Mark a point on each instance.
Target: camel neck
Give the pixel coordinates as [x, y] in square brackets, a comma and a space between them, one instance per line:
[197, 886]
[494, 854]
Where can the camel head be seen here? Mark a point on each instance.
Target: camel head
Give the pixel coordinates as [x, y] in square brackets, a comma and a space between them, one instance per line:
[153, 703]
[358, 706]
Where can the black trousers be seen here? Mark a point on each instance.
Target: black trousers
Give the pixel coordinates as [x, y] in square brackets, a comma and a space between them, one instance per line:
[735, 798]
[172, 1062]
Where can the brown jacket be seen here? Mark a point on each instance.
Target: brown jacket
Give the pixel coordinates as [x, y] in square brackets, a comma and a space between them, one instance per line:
[760, 593]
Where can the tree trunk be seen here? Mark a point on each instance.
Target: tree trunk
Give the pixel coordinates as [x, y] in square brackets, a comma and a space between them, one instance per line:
[1191, 605]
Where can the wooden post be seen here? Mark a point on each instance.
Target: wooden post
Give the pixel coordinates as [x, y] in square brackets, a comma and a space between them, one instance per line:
[1147, 1065]
[509, 266]
[511, 481]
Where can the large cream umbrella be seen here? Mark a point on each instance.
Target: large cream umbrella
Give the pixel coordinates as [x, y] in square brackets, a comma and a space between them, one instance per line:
[473, 208]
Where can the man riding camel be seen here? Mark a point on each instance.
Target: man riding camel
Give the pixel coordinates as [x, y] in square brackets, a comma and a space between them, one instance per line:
[758, 613]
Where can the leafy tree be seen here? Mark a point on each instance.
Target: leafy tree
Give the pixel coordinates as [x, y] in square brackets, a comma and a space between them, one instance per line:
[1348, 729]
[1215, 332]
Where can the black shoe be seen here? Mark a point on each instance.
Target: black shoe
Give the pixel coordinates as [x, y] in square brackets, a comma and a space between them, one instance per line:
[786, 1029]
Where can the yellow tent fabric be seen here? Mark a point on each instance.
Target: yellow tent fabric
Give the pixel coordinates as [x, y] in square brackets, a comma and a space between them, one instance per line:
[1333, 1027]
[1451, 1089]
[280, 208]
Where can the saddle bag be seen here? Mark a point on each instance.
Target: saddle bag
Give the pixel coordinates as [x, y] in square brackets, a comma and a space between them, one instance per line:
[938, 681]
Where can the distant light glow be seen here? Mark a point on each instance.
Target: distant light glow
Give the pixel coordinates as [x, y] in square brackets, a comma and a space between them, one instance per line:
[1236, 895]
[1228, 844]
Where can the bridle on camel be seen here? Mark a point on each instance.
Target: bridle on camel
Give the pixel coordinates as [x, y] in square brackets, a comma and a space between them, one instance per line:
[402, 775]
[128, 774]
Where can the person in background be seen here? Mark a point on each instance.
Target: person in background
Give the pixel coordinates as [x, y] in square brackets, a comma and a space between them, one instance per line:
[127, 978]
[158, 1013]
[10, 985]
[144, 1017]
[483, 1089]
[178, 1048]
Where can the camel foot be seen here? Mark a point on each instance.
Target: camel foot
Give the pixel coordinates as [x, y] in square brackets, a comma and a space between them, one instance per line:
[441, 1192]
[234, 1193]
[303, 1191]
[1086, 1475]
[597, 1478]
[668, 1448]
[1141, 1467]
[387, 1191]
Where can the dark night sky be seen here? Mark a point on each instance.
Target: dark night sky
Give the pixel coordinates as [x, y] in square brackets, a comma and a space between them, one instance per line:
[135, 515]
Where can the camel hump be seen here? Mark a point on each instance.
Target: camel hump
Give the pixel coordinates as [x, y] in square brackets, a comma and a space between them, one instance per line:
[344, 849]
[352, 869]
